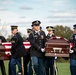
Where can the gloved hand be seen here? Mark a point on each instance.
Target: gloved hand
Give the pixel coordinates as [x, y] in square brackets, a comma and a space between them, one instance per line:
[42, 50]
[71, 51]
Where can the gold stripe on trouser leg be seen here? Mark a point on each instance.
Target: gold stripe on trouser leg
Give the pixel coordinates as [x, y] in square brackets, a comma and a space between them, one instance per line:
[22, 62]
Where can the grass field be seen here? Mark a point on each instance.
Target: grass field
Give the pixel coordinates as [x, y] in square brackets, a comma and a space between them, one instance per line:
[63, 68]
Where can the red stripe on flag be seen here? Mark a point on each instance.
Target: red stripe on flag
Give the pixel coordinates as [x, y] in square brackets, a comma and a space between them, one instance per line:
[8, 47]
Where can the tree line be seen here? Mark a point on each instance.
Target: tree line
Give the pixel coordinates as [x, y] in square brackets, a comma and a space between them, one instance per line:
[63, 31]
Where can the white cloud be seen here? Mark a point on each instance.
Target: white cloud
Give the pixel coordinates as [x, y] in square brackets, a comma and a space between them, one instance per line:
[3, 9]
[26, 8]
[60, 1]
[64, 14]
[8, 17]
[62, 10]
[6, 2]
[11, 17]
[62, 17]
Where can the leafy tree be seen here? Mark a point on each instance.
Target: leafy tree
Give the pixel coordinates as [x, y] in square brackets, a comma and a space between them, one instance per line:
[24, 37]
[63, 31]
[9, 38]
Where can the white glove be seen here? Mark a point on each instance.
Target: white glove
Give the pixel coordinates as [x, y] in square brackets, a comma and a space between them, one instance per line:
[42, 50]
[71, 51]
[56, 57]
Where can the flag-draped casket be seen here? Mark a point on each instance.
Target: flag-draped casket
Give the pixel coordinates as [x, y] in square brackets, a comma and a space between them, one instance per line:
[57, 46]
[5, 49]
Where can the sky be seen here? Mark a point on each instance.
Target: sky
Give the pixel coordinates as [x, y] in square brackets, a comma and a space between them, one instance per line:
[23, 12]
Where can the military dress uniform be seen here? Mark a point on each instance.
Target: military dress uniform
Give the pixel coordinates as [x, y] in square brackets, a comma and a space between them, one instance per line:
[27, 59]
[2, 39]
[73, 53]
[37, 40]
[49, 61]
[17, 51]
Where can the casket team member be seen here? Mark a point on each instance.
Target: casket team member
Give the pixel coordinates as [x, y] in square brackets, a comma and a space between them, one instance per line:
[37, 39]
[27, 59]
[73, 52]
[17, 50]
[49, 61]
[2, 39]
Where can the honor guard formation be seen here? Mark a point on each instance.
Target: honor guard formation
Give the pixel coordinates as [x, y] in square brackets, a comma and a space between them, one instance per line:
[33, 61]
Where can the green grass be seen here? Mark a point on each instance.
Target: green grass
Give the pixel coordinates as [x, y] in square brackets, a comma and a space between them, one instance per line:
[63, 68]
[6, 67]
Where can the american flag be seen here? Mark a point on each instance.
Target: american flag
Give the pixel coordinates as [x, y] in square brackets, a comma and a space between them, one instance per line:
[8, 45]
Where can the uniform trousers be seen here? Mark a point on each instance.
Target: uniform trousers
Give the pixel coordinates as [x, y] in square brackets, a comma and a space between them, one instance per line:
[30, 71]
[73, 66]
[49, 65]
[9, 68]
[13, 64]
[38, 63]
[26, 61]
[2, 67]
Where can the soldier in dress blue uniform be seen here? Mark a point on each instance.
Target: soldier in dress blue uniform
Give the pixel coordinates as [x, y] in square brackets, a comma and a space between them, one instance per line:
[17, 50]
[49, 61]
[73, 52]
[30, 71]
[37, 39]
[27, 59]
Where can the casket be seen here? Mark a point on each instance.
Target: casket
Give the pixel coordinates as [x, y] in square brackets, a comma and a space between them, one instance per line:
[57, 47]
[3, 56]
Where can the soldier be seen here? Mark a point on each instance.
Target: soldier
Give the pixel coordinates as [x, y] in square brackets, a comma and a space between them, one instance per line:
[37, 39]
[29, 31]
[2, 39]
[73, 52]
[49, 61]
[27, 67]
[17, 50]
